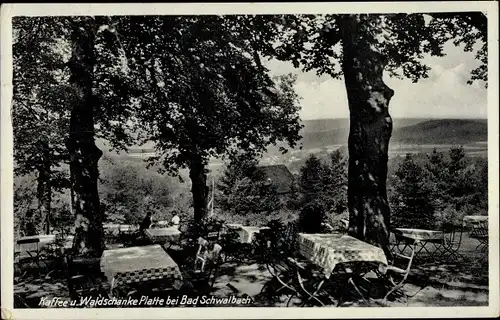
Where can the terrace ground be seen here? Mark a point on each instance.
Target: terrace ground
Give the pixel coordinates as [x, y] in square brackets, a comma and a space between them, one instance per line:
[463, 282]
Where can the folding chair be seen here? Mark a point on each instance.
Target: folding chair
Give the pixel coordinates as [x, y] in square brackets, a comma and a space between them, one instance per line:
[398, 270]
[33, 254]
[202, 280]
[200, 258]
[452, 239]
[83, 278]
[480, 232]
[214, 231]
[282, 274]
[309, 282]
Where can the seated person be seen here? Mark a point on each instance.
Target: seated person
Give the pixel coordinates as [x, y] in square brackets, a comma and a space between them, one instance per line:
[174, 223]
[146, 223]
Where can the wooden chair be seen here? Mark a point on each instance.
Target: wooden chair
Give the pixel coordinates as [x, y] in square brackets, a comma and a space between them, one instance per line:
[398, 270]
[214, 231]
[282, 271]
[309, 284]
[83, 277]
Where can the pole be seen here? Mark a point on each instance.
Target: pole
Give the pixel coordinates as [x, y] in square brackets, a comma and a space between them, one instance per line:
[213, 194]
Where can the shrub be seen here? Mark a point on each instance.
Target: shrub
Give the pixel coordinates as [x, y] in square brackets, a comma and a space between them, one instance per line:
[312, 216]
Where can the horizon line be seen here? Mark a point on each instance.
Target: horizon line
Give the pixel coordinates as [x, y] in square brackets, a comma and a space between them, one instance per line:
[431, 118]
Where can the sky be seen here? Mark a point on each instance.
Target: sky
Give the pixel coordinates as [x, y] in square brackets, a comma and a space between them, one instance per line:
[445, 94]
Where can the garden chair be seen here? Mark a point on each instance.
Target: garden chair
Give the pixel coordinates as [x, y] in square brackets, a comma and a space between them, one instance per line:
[214, 229]
[202, 279]
[83, 275]
[201, 254]
[452, 239]
[233, 249]
[308, 283]
[479, 231]
[282, 270]
[33, 252]
[397, 271]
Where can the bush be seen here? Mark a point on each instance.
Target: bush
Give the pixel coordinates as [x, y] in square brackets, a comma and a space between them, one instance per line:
[312, 216]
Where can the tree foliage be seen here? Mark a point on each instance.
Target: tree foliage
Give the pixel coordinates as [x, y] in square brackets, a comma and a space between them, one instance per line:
[361, 47]
[205, 94]
[440, 188]
[323, 186]
[128, 191]
[243, 189]
[412, 201]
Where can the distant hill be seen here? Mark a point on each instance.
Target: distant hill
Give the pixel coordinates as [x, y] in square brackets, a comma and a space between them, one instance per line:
[322, 125]
[443, 131]
[407, 131]
[321, 133]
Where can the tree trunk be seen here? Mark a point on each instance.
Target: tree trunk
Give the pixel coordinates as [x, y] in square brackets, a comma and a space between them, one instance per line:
[370, 131]
[199, 188]
[84, 154]
[44, 185]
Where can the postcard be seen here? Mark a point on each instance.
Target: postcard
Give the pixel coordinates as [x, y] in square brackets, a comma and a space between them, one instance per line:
[249, 160]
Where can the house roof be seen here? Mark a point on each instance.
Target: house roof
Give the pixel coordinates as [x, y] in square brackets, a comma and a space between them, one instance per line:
[279, 175]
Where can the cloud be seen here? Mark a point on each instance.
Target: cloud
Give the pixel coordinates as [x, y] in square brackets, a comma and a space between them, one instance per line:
[445, 94]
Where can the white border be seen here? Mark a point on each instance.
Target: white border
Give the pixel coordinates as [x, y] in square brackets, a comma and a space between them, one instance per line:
[6, 176]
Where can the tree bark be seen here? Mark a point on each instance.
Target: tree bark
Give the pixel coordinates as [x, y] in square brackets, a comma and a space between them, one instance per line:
[370, 132]
[44, 185]
[84, 154]
[199, 189]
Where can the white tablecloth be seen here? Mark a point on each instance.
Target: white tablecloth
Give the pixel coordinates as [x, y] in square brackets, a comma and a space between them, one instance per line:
[471, 220]
[162, 235]
[247, 233]
[419, 234]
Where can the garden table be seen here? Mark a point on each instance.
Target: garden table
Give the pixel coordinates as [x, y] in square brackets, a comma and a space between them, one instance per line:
[470, 220]
[22, 250]
[138, 264]
[247, 233]
[328, 250]
[128, 228]
[234, 225]
[115, 228]
[162, 235]
[420, 238]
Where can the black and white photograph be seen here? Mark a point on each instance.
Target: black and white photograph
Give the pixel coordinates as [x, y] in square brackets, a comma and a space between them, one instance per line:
[159, 160]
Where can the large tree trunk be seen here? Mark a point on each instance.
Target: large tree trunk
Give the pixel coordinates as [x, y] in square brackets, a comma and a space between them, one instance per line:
[370, 131]
[84, 154]
[199, 188]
